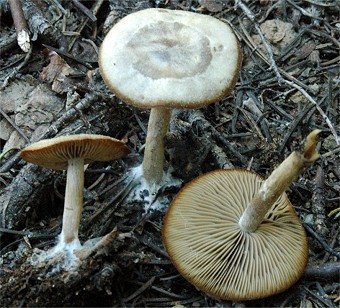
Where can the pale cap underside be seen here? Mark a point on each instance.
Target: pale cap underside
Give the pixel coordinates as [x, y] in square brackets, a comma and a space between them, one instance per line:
[204, 241]
[167, 58]
[56, 152]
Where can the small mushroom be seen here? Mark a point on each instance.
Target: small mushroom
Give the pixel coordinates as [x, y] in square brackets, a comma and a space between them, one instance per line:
[209, 241]
[164, 59]
[71, 153]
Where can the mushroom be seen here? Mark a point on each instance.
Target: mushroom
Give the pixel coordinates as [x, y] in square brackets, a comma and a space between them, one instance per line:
[164, 59]
[221, 250]
[71, 153]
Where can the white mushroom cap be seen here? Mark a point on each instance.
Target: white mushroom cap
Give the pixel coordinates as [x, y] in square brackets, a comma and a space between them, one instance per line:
[56, 152]
[203, 238]
[169, 58]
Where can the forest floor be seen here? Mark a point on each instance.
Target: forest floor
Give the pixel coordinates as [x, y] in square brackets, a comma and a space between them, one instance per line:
[288, 86]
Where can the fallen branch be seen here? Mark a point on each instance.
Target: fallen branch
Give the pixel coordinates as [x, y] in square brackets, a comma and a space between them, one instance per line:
[329, 272]
[101, 247]
[20, 24]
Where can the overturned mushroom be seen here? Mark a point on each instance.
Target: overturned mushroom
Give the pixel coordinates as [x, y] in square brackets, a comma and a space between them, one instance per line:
[163, 59]
[71, 153]
[237, 237]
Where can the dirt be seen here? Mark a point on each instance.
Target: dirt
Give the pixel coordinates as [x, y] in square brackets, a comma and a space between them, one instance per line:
[56, 89]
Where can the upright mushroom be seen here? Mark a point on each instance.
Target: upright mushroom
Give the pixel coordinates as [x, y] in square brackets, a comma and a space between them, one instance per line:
[163, 59]
[71, 153]
[237, 237]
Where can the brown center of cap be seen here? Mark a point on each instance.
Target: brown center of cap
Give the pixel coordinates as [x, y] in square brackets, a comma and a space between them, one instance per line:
[180, 52]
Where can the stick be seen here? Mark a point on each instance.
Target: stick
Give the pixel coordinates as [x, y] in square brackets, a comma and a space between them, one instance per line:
[20, 24]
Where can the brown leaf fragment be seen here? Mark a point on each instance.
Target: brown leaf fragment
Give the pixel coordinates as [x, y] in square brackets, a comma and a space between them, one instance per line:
[213, 6]
[56, 72]
[278, 33]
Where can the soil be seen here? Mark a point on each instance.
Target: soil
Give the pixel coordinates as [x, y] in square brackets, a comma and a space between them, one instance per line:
[288, 86]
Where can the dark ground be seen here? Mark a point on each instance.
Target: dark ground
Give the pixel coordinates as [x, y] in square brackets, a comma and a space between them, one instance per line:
[44, 94]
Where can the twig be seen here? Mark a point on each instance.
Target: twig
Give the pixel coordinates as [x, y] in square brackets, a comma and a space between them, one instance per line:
[321, 241]
[333, 212]
[5, 230]
[20, 24]
[60, 7]
[251, 16]
[140, 290]
[16, 70]
[10, 163]
[331, 153]
[151, 244]
[95, 8]
[303, 11]
[334, 236]
[70, 114]
[40, 26]
[324, 116]
[68, 55]
[197, 117]
[252, 123]
[318, 207]
[169, 293]
[14, 125]
[323, 301]
[293, 125]
[141, 125]
[100, 247]
[84, 9]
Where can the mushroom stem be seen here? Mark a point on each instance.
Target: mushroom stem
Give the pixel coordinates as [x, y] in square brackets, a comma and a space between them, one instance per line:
[278, 182]
[153, 163]
[73, 205]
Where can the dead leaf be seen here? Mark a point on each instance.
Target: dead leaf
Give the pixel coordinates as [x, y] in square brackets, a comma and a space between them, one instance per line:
[56, 73]
[213, 6]
[278, 33]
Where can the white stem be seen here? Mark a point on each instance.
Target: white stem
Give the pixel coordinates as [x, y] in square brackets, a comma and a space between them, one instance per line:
[73, 205]
[278, 182]
[153, 163]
